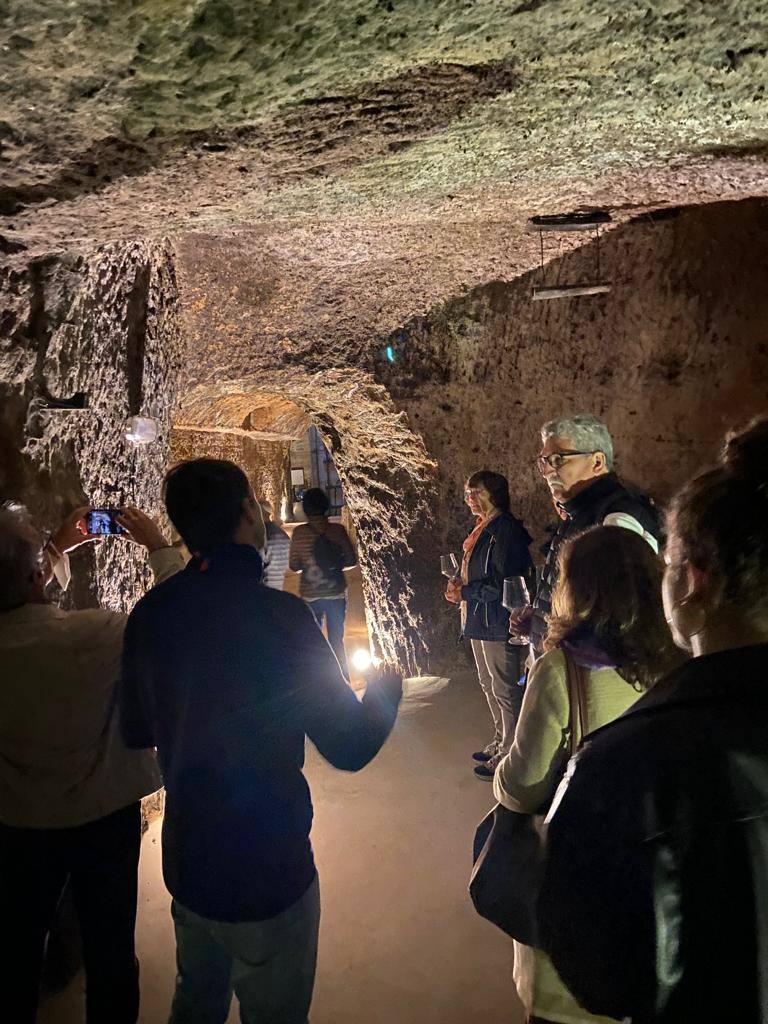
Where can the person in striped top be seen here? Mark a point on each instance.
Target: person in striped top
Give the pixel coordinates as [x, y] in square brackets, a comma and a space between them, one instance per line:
[321, 551]
[278, 545]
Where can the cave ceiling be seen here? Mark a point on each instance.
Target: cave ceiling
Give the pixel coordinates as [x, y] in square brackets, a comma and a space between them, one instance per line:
[341, 166]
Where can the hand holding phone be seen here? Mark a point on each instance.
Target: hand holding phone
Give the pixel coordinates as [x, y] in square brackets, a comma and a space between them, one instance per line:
[103, 522]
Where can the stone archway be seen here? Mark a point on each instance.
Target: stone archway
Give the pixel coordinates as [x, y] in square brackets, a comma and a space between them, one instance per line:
[388, 478]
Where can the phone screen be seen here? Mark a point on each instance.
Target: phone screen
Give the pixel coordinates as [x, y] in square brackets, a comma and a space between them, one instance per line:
[102, 520]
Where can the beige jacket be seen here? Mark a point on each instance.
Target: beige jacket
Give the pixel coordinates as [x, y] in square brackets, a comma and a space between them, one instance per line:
[525, 780]
[62, 760]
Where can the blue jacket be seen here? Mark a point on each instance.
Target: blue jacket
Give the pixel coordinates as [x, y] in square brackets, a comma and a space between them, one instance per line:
[501, 551]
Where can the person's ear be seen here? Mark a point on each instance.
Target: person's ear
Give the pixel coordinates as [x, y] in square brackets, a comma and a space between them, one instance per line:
[695, 583]
[599, 463]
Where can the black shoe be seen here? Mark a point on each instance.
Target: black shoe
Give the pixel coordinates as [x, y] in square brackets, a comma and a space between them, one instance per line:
[485, 772]
[486, 755]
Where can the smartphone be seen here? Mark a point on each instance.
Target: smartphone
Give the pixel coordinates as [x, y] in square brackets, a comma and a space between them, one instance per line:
[103, 520]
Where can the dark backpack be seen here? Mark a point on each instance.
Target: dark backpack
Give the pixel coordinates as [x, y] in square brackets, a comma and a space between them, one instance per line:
[329, 558]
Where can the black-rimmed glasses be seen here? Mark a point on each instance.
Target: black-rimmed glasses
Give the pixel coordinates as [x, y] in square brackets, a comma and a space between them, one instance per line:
[556, 459]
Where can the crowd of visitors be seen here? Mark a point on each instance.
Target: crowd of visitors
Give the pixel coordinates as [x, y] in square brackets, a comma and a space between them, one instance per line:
[651, 905]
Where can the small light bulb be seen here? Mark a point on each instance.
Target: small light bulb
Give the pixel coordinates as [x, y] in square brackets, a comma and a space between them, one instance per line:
[361, 659]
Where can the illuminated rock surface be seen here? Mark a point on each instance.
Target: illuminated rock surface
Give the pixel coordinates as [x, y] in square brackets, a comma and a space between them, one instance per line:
[203, 203]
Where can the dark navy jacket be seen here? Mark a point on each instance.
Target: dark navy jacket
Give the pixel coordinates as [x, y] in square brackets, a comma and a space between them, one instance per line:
[606, 496]
[501, 551]
[226, 677]
[654, 904]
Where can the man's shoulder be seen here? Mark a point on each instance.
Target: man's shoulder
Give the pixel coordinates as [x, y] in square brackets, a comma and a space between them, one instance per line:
[625, 498]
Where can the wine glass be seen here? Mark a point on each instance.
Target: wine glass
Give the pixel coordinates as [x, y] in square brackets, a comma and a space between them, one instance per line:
[449, 566]
[515, 595]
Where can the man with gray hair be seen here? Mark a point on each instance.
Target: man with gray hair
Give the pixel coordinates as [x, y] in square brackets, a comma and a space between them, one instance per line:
[576, 460]
[70, 789]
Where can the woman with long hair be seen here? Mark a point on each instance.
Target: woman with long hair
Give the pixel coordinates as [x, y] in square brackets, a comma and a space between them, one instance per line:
[607, 618]
[655, 898]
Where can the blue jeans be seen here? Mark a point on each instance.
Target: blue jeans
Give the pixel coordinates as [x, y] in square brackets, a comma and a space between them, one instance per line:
[334, 611]
[270, 965]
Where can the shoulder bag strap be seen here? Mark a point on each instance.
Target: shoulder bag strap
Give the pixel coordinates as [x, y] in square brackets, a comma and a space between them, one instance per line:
[577, 699]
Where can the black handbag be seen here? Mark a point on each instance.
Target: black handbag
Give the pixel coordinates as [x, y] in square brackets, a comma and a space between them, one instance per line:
[508, 850]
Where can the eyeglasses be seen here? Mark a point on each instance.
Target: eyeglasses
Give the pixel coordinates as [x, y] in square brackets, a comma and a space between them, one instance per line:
[469, 491]
[556, 459]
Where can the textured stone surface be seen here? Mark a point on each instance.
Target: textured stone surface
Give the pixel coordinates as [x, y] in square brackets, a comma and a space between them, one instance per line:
[267, 463]
[106, 326]
[155, 116]
[326, 180]
[673, 356]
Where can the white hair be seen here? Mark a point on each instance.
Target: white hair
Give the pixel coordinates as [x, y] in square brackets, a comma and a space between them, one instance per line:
[588, 434]
[20, 558]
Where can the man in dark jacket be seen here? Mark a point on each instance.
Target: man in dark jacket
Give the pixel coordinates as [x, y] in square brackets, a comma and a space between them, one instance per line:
[576, 460]
[226, 677]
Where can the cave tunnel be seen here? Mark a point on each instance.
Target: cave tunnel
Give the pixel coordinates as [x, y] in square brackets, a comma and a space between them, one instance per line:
[305, 245]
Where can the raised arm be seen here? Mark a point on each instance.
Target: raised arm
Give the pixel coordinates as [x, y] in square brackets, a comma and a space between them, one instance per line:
[347, 732]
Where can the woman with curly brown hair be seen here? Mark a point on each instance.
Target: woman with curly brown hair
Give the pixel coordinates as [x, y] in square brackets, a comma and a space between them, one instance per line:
[608, 619]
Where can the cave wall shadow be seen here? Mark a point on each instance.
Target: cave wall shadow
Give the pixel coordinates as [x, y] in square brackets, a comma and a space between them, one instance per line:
[672, 357]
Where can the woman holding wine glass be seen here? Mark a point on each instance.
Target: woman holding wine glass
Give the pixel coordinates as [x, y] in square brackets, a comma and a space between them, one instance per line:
[495, 550]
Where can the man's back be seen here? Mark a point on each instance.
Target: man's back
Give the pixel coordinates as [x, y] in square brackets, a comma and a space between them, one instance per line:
[226, 676]
[62, 761]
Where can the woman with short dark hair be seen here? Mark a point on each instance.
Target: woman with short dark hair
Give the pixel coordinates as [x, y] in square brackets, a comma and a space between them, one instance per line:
[495, 549]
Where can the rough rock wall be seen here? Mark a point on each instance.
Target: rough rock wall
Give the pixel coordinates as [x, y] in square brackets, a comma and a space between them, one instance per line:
[266, 463]
[672, 357]
[388, 481]
[106, 325]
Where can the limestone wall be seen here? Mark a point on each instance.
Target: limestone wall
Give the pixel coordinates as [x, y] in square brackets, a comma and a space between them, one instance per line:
[674, 355]
[266, 463]
[105, 325]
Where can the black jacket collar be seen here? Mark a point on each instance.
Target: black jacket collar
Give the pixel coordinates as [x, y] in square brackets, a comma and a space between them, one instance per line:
[601, 488]
[228, 556]
[736, 674]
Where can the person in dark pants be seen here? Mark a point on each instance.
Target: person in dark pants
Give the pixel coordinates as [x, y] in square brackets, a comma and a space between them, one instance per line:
[496, 549]
[227, 677]
[70, 790]
[321, 551]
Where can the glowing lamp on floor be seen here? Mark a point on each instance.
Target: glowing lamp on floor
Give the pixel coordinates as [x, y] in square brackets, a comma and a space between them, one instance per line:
[361, 659]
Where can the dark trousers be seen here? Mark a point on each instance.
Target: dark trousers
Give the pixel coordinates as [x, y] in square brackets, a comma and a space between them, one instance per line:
[101, 861]
[334, 611]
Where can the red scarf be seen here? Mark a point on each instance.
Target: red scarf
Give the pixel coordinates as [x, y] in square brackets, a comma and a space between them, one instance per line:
[470, 542]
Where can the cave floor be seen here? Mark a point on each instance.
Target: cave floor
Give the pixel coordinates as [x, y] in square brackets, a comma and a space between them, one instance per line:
[400, 942]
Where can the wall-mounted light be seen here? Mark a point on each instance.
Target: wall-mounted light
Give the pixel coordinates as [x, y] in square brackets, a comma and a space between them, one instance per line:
[141, 430]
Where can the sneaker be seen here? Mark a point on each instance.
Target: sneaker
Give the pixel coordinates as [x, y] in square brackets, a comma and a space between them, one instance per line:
[488, 770]
[488, 753]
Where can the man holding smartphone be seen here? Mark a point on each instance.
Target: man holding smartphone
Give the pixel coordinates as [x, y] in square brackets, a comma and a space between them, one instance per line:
[70, 789]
